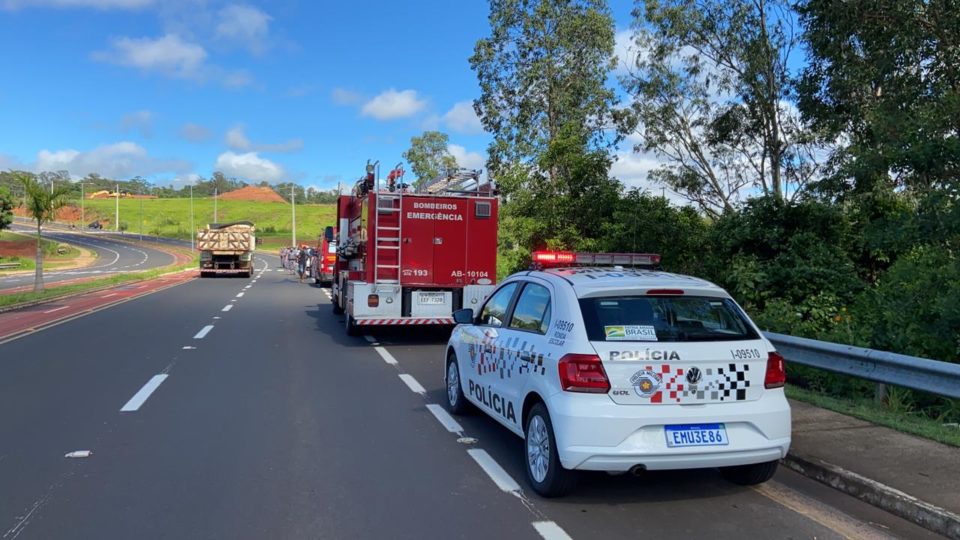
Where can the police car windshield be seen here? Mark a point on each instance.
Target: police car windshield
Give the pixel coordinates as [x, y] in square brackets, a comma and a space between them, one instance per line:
[664, 319]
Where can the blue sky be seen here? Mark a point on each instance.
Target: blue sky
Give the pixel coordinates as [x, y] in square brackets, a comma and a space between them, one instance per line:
[278, 91]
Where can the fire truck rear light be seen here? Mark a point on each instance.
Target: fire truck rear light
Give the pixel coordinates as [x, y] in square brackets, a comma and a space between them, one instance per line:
[776, 371]
[665, 292]
[583, 373]
[553, 257]
[373, 300]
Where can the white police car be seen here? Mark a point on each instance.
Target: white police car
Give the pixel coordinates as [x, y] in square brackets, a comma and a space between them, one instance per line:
[610, 367]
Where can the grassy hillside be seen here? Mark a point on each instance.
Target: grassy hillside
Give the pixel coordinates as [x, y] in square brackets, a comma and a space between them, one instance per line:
[171, 217]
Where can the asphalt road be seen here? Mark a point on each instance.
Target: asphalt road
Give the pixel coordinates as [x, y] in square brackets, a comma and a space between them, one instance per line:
[112, 257]
[213, 410]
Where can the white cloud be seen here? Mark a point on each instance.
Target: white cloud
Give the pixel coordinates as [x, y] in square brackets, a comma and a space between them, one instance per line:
[194, 132]
[461, 118]
[244, 25]
[97, 4]
[249, 166]
[626, 52]
[9, 162]
[470, 160]
[118, 160]
[188, 179]
[342, 96]
[169, 55]
[141, 121]
[237, 139]
[237, 79]
[632, 169]
[391, 104]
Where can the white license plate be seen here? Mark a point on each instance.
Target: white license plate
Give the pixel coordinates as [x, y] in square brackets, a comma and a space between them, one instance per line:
[431, 298]
[696, 435]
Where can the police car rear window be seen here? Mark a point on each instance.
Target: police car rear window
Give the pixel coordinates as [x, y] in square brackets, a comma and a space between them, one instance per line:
[664, 318]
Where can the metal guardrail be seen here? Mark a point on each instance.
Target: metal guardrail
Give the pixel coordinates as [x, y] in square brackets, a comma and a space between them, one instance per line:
[922, 374]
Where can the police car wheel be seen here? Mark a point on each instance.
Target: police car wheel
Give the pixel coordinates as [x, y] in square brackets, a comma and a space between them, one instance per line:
[749, 475]
[456, 401]
[544, 471]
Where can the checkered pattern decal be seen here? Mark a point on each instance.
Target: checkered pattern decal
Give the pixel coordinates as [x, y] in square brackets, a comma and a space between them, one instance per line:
[728, 383]
[506, 357]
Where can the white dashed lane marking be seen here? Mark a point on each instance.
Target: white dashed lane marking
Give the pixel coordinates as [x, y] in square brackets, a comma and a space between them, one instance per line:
[137, 400]
[412, 383]
[203, 332]
[239, 295]
[56, 309]
[493, 469]
[227, 307]
[550, 530]
[444, 418]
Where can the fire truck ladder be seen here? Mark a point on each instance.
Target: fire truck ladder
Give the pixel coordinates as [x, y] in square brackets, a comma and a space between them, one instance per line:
[388, 236]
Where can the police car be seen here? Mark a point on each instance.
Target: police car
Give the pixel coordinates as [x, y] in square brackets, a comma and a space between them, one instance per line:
[603, 363]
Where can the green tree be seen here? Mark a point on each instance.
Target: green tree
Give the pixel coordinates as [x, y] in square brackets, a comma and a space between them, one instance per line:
[7, 205]
[884, 75]
[543, 75]
[42, 205]
[713, 98]
[429, 156]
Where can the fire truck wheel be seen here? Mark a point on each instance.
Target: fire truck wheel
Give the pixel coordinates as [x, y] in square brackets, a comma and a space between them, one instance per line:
[351, 326]
[456, 401]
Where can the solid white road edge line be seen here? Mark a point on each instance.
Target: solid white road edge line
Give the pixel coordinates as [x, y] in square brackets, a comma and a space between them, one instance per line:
[137, 400]
[388, 358]
[412, 383]
[203, 332]
[550, 531]
[444, 418]
[57, 309]
[493, 470]
[227, 307]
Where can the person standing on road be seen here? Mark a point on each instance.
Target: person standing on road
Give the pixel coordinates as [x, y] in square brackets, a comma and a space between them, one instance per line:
[301, 262]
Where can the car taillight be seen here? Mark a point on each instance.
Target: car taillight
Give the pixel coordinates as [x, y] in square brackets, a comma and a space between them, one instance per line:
[583, 373]
[776, 371]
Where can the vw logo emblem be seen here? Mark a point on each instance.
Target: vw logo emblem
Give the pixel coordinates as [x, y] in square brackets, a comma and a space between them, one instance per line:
[694, 375]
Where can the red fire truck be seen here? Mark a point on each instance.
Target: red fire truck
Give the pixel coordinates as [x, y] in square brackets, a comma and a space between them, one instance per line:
[408, 257]
[324, 258]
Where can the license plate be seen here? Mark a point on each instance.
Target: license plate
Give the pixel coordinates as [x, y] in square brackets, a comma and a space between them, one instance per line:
[696, 435]
[431, 299]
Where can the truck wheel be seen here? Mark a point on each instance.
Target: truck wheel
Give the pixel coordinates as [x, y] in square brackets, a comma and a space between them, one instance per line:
[351, 326]
[749, 475]
[544, 470]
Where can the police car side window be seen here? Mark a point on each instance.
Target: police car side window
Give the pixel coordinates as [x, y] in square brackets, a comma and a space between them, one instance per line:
[532, 306]
[495, 310]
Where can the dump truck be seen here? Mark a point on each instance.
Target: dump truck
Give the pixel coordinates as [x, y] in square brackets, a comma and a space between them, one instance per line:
[413, 257]
[226, 248]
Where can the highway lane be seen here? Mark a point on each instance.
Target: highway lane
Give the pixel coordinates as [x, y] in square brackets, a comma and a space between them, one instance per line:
[112, 257]
[271, 423]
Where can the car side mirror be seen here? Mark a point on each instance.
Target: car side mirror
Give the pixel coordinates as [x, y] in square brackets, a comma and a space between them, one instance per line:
[463, 316]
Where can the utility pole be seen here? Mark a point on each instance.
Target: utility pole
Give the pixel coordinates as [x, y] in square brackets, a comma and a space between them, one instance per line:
[116, 225]
[193, 231]
[215, 205]
[141, 214]
[83, 221]
[293, 210]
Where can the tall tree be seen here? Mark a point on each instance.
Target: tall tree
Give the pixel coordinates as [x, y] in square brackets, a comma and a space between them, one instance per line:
[884, 76]
[6, 208]
[713, 98]
[429, 156]
[543, 72]
[42, 205]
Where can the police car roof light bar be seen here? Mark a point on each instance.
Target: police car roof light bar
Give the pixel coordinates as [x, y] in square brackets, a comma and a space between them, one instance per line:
[560, 258]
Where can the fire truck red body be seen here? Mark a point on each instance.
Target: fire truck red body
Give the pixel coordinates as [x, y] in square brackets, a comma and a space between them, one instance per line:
[406, 258]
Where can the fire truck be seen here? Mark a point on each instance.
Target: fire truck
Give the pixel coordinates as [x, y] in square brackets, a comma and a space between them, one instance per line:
[325, 258]
[413, 257]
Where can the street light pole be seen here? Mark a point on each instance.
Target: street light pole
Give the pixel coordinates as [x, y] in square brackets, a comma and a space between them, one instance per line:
[83, 220]
[215, 205]
[116, 225]
[141, 214]
[193, 231]
[293, 210]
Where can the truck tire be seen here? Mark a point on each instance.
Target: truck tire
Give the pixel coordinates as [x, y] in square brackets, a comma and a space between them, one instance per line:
[350, 324]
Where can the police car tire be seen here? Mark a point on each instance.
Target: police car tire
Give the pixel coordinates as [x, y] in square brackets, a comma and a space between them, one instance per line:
[558, 481]
[461, 405]
[750, 475]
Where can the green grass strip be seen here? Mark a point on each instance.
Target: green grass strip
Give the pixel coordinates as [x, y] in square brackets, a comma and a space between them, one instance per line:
[869, 410]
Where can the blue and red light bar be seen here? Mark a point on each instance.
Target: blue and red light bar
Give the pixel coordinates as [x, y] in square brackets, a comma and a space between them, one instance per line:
[570, 258]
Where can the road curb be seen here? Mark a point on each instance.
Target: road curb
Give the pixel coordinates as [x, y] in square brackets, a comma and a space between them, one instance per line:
[924, 514]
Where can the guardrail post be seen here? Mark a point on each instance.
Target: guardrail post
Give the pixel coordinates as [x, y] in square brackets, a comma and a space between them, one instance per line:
[881, 394]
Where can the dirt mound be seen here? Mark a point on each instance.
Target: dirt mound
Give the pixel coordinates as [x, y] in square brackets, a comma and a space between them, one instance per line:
[67, 214]
[18, 248]
[253, 193]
